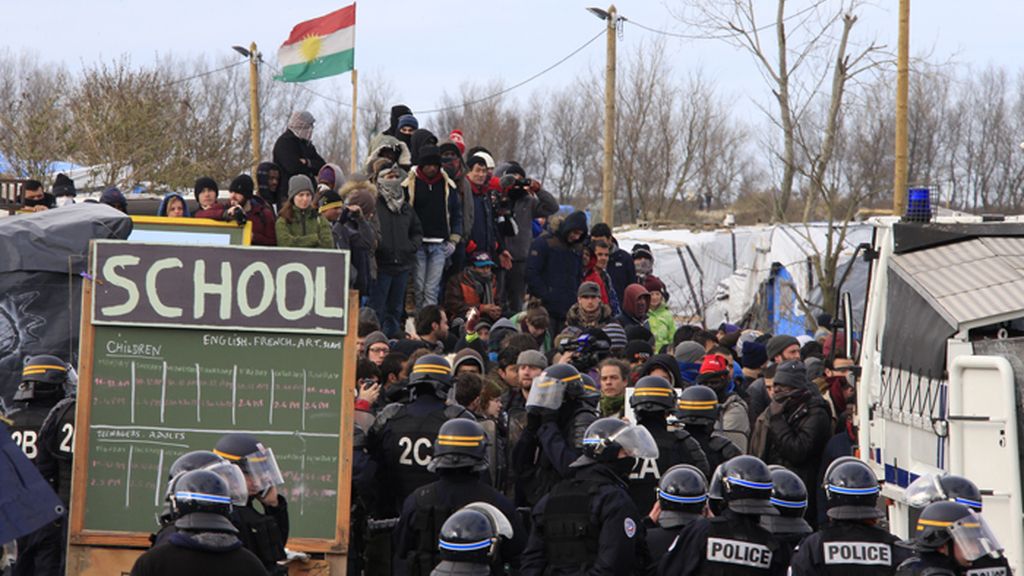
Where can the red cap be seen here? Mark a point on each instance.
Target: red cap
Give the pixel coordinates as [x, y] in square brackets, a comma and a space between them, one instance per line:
[714, 363]
[653, 284]
[456, 138]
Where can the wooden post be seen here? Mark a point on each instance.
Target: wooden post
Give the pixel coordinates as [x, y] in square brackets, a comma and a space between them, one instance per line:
[899, 186]
[254, 106]
[608, 181]
[355, 117]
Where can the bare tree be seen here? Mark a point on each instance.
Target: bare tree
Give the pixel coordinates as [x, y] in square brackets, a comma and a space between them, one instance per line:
[33, 114]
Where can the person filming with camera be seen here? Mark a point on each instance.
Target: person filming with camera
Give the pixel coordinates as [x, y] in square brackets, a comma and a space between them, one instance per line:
[246, 207]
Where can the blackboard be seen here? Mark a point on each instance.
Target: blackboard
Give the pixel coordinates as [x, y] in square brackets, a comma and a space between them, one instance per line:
[149, 393]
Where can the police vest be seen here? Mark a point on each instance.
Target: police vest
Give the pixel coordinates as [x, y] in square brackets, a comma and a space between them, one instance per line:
[737, 549]
[57, 441]
[25, 424]
[409, 447]
[989, 566]
[673, 448]
[571, 538]
[538, 480]
[850, 549]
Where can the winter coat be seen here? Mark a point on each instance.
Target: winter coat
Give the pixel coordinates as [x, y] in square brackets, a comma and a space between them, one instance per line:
[525, 210]
[629, 316]
[734, 421]
[463, 293]
[480, 225]
[198, 553]
[381, 141]
[162, 210]
[453, 203]
[358, 235]
[796, 439]
[306, 230]
[214, 212]
[290, 150]
[663, 325]
[399, 236]
[621, 269]
[261, 215]
[554, 268]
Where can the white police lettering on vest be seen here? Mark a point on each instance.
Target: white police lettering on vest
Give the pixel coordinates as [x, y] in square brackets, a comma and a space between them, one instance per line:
[998, 571]
[737, 552]
[863, 553]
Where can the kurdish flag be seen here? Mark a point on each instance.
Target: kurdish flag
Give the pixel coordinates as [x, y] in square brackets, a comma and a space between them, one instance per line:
[320, 47]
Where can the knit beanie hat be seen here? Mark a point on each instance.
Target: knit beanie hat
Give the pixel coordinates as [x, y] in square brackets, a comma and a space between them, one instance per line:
[533, 358]
[63, 186]
[375, 337]
[755, 355]
[299, 183]
[617, 334]
[330, 199]
[455, 136]
[791, 373]
[242, 184]
[779, 343]
[653, 284]
[638, 351]
[113, 197]
[689, 352]
[408, 120]
[205, 183]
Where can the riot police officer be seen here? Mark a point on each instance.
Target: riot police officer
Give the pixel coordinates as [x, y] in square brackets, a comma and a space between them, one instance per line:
[851, 543]
[263, 533]
[559, 411]
[460, 456]
[206, 542]
[732, 543]
[401, 439]
[698, 411]
[199, 460]
[930, 488]
[653, 398]
[588, 523]
[950, 539]
[682, 498]
[44, 383]
[470, 539]
[789, 496]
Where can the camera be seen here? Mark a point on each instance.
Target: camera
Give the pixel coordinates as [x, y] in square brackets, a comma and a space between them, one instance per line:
[521, 183]
[588, 350]
[239, 217]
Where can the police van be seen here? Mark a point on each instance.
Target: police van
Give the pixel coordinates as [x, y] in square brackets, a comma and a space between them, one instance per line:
[942, 362]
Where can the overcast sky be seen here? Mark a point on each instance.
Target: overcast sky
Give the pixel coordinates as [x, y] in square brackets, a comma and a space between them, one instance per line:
[425, 48]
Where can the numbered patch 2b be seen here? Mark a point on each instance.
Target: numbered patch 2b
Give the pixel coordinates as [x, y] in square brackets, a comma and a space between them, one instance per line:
[860, 553]
[739, 553]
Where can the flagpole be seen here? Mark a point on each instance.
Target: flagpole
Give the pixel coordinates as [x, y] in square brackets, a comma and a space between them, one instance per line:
[355, 117]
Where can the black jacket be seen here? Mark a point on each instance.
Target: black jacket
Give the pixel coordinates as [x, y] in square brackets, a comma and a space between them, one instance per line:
[199, 555]
[399, 237]
[265, 534]
[554, 268]
[290, 151]
[796, 440]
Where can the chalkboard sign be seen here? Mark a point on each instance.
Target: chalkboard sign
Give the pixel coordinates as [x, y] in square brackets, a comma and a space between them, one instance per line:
[149, 394]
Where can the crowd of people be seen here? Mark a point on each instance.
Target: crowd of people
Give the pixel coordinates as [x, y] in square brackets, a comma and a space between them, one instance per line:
[532, 406]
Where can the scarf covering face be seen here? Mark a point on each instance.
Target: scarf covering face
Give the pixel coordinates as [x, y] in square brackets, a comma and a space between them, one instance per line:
[391, 190]
[301, 123]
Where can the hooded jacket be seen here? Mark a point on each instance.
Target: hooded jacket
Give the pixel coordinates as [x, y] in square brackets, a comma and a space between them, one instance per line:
[198, 553]
[667, 363]
[796, 439]
[290, 151]
[399, 236]
[525, 210]
[554, 268]
[630, 315]
[397, 111]
[420, 138]
[621, 268]
[307, 228]
[467, 290]
[358, 235]
[329, 171]
[162, 210]
[663, 325]
[274, 197]
[382, 141]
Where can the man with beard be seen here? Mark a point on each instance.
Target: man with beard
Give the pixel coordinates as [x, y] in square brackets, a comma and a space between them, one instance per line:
[588, 311]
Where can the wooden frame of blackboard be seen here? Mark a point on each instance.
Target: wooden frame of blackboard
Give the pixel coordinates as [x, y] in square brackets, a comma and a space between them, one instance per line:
[216, 225]
[78, 536]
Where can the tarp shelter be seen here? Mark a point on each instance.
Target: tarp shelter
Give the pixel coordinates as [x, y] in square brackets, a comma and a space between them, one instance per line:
[722, 275]
[41, 258]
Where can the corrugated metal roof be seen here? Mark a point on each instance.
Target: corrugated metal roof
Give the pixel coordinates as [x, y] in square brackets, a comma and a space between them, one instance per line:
[970, 280]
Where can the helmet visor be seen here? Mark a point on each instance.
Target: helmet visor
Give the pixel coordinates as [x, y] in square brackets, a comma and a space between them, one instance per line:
[925, 490]
[974, 537]
[502, 525]
[263, 470]
[546, 392]
[637, 442]
[233, 477]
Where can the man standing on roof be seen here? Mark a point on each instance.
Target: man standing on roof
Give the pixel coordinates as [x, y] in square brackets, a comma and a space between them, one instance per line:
[294, 151]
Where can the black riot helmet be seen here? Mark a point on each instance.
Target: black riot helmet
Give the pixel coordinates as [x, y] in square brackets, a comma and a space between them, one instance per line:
[201, 502]
[653, 394]
[943, 522]
[205, 460]
[195, 460]
[461, 443]
[789, 496]
[929, 488]
[606, 437]
[683, 493]
[43, 377]
[851, 490]
[434, 370]
[698, 405]
[255, 460]
[552, 386]
[744, 484]
[471, 536]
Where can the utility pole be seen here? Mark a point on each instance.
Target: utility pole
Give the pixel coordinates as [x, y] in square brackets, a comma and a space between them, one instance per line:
[608, 182]
[254, 105]
[899, 187]
[355, 118]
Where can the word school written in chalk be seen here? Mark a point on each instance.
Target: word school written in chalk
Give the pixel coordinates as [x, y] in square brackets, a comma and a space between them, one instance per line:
[259, 289]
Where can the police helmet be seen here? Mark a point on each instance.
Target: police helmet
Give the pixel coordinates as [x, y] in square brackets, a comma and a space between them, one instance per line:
[683, 493]
[589, 388]
[744, 484]
[929, 488]
[205, 460]
[432, 369]
[653, 394]
[256, 460]
[201, 502]
[195, 460]
[698, 405]
[471, 535]
[606, 437]
[42, 377]
[943, 522]
[789, 496]
[552, 386]
[461, 443]
[851, 490]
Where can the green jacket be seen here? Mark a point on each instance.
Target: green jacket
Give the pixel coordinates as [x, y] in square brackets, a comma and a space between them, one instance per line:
[307, 230]
[663, 326]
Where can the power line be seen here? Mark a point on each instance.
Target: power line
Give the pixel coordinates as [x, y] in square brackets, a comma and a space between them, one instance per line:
[202, 74]
[762, 28]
